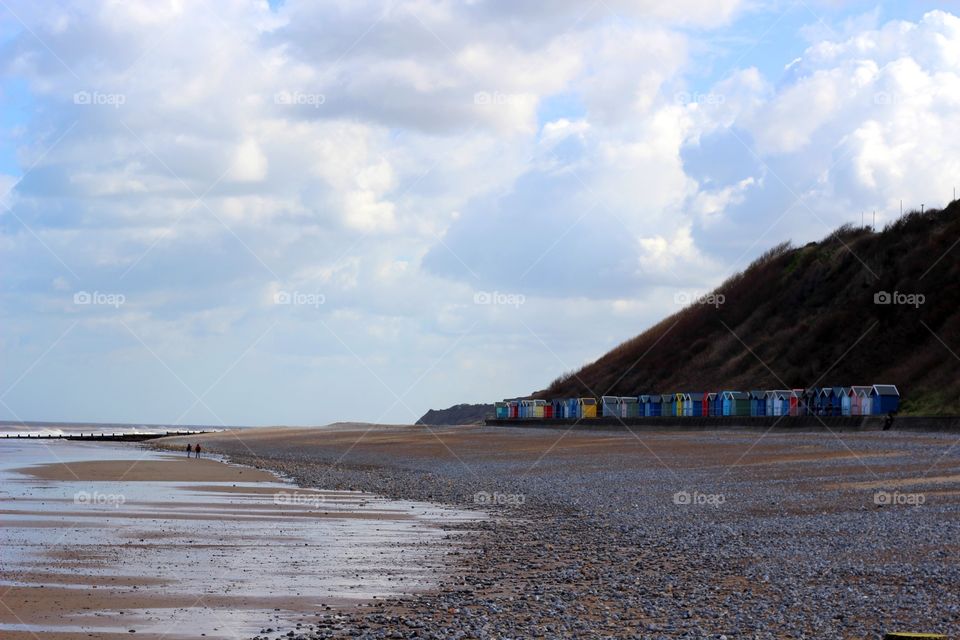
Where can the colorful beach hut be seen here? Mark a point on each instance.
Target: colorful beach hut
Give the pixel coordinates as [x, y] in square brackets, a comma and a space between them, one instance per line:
[610, 406]
[736, 403]
[845, 401]
[884, 399]
[716, 403]
[836, 401]
[501, 410]
[758, 403]
[556, 408]
[668, 404]
[588, 407]
[629, 407]
[823, 401]
[781, 402]
[655, 404]
[866, 400]
[539, 409]
[695, 398]
[573, 408]
[796, 400]
[857, 394]
[705, 405]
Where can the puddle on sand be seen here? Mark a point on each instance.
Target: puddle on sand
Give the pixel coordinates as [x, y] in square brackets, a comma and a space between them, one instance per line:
[218, 558]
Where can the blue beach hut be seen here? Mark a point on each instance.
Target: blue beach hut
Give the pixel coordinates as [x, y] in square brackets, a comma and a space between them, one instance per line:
[655, 404]
[758, 403]
[846, 404]
[610, 406]
[884, 399]
[696, 403]
[823, 401]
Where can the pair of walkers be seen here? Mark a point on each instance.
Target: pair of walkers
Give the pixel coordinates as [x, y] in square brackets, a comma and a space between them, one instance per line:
[194, 449]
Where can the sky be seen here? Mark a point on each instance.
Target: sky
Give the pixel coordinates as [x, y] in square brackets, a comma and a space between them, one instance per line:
[252, 213]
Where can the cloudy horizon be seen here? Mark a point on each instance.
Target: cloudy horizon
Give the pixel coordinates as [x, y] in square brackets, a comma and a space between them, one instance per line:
[296, 213]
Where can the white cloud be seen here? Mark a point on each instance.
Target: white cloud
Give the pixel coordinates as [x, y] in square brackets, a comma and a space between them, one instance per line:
[398, 158]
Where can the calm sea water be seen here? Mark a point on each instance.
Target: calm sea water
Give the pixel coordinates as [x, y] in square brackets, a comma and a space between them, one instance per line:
[70, 428]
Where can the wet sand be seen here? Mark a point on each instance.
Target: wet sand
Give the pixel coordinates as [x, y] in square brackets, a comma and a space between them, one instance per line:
[174, 548]
[134, 470]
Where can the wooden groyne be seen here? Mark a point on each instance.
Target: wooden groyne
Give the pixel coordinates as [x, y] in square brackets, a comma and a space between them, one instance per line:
[103, 437]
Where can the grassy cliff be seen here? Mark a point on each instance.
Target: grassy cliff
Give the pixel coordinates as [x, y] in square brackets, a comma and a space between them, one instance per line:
[808, 316]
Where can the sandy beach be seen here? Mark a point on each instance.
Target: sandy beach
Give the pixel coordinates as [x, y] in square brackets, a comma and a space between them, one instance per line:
[737, 534]
[113, 540]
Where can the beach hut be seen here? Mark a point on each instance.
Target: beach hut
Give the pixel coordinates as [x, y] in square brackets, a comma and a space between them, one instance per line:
[836, 401]
[696, 403]
[573, 408]
[539, 409]
[610, 406]
[629, 407]
[712, 405]
[884, 399]
[758, 403]
[644, 402]
[865, 400]
[501, 410]
[705, 405]
[736, 403]
[796, 400]
[556, 408]
[513, 409]
[668, 404]
[823, 401]
[770, 401]
[857, 393]
[845, 401]
[810, 396]
[548, 411]
[588, 407]
[655, 404]
[680, 401]
[781, 402]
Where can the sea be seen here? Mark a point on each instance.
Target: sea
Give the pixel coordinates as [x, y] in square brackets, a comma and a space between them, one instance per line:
[57, 429]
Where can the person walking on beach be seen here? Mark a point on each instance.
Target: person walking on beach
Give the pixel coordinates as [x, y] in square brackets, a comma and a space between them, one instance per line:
[197, 450]
[189, 449]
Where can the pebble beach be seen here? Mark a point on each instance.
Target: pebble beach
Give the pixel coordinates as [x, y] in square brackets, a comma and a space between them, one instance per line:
[727, 534]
